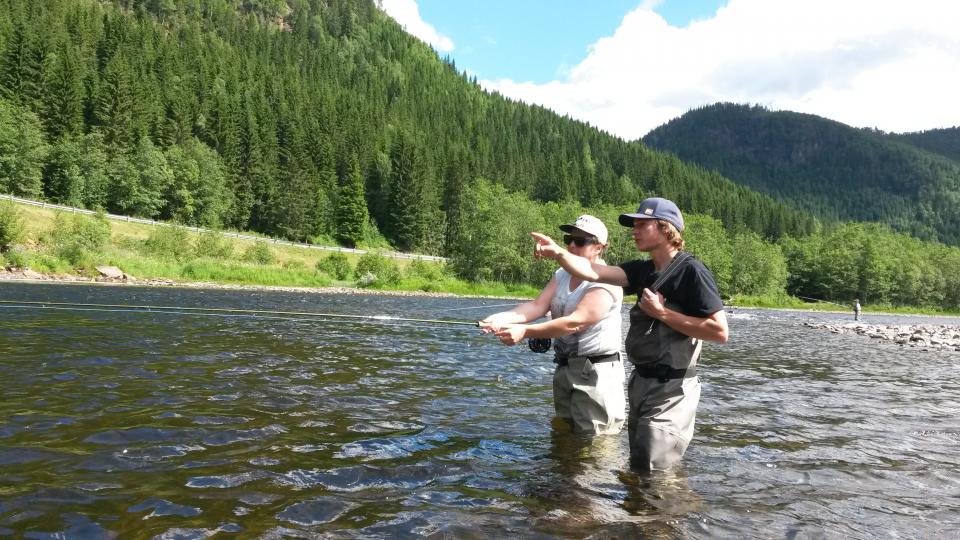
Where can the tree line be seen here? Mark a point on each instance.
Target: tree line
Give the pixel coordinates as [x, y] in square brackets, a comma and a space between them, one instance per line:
[871, 262]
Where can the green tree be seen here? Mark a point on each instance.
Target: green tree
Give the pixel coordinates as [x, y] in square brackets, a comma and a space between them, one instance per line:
[351, 212]
[62, 175]
[138, 183]
[22, 151]
[840, 261]
[706, 238]
[759, 267]
[62, 110]
[114, 102]
[407, 213]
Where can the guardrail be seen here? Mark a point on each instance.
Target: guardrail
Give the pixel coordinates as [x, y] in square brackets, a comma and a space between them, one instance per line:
[392, 254]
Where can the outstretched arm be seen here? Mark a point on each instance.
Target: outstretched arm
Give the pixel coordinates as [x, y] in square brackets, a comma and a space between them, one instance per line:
[594, 305]
[578, 266]
[526, 312]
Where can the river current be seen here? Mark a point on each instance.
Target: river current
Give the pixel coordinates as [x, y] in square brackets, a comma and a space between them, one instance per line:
[136, 424]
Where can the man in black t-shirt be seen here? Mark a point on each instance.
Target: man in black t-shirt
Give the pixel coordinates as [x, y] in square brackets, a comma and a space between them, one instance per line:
[678, 307]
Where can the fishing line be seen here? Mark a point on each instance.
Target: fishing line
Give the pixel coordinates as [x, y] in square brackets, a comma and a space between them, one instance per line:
[824, 301]
[479, 307]
[225, 312]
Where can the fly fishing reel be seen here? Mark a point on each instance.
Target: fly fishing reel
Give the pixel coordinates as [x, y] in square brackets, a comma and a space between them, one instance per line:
[539, 345]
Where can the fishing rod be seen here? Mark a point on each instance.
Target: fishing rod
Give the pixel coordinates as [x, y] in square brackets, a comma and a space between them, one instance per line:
[225, 312]
[537, 345]
[824, 301]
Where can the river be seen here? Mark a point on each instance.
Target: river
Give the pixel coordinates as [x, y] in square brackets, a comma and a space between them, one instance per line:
[137, 424]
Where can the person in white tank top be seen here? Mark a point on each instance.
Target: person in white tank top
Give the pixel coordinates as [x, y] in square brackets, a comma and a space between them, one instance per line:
[588, 383]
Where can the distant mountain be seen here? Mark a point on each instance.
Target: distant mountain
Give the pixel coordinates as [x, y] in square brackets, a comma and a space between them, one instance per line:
[945, 142]
[911, 181]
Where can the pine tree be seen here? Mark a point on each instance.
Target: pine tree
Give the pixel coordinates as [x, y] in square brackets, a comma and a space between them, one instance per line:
[351, 212]
[22, 151]
[22, 69]
[407, 213]
[62, 108]
[114, 102]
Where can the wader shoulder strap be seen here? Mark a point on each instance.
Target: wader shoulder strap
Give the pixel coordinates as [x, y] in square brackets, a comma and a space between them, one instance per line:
[664, 276]
[670, 270]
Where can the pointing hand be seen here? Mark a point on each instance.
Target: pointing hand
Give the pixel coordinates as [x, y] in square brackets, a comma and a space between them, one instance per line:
[545, 247]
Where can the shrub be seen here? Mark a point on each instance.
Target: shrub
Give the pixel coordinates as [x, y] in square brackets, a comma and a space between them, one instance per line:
[336, 265]
[11, 225]
[14, 259]
[259, 253]
[214, 245]
[419, 269]
[77, 238]
[169, 242]
[384, 271]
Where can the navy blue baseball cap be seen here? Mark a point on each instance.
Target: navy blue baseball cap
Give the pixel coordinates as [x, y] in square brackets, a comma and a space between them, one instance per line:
[655, 208]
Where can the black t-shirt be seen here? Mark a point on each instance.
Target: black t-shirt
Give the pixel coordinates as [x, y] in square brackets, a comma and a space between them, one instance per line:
[691, 287]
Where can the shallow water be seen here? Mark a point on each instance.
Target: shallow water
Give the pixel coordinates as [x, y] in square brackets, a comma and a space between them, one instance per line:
[184, 426]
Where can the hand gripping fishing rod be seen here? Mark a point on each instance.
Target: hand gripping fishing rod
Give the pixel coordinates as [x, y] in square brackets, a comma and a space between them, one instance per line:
[224, 312]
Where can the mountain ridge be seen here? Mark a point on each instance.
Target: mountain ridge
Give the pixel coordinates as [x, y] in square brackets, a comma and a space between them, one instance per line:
[835, 171]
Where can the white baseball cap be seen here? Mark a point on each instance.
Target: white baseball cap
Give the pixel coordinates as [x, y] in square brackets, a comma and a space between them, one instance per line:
[590, 225]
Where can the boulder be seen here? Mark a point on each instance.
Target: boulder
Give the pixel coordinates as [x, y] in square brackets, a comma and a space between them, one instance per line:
[110, 272]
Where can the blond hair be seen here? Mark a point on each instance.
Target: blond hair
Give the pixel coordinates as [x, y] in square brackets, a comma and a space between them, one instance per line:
[672, 234]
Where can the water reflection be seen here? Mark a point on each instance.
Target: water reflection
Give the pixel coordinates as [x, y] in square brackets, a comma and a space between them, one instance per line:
[151, 425]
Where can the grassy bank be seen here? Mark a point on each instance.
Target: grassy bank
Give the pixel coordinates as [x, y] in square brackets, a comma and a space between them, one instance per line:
[791, 302]
[63, 243]
[57, 243]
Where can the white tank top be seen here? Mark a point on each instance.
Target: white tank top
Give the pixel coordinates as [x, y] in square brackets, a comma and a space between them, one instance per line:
[601, 338]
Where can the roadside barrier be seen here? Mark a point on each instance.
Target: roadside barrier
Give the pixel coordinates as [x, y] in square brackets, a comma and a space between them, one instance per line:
[391, 254]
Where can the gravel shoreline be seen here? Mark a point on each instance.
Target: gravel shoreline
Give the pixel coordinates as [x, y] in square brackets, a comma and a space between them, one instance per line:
[125, 280]
[926, 337]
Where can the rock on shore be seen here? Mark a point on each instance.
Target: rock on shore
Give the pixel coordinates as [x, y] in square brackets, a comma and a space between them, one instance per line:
[927, 337]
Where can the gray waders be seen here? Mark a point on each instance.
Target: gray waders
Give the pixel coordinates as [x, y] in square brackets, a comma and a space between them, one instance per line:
[664, 390]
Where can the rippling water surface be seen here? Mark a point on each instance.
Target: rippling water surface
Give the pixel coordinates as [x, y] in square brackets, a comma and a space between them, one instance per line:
[182, 426]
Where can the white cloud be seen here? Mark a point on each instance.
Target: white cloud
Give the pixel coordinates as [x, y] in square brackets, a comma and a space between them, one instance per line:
[873, 63]
[407, 13]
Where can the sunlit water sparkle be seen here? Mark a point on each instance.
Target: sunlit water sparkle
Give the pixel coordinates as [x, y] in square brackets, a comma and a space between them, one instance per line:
[179, 426]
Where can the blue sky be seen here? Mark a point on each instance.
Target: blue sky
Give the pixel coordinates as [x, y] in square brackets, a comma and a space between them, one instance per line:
[538, 41]
[627, 67]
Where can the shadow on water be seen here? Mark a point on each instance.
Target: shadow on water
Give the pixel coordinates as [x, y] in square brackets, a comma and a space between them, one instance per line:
[149, 424]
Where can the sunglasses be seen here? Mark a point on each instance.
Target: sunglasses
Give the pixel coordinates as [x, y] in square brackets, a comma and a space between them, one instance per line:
[580, 241]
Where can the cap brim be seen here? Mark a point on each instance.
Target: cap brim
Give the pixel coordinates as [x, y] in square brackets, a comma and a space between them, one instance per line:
[627, 219]
[568, 228]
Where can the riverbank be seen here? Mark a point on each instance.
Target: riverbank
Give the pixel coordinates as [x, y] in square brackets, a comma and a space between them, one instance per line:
[123, 279]
[926, 337]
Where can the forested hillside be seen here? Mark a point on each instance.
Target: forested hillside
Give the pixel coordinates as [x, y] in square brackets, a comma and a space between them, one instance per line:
[945, 142]
[301, 119]
[835, 171]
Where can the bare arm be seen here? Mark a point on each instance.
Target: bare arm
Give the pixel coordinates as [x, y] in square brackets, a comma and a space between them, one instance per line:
[526, 312]
[594, 305]
[578, 266]
[710, 328]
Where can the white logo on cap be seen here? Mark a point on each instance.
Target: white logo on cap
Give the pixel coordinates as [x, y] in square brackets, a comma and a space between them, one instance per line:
[648, 211]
